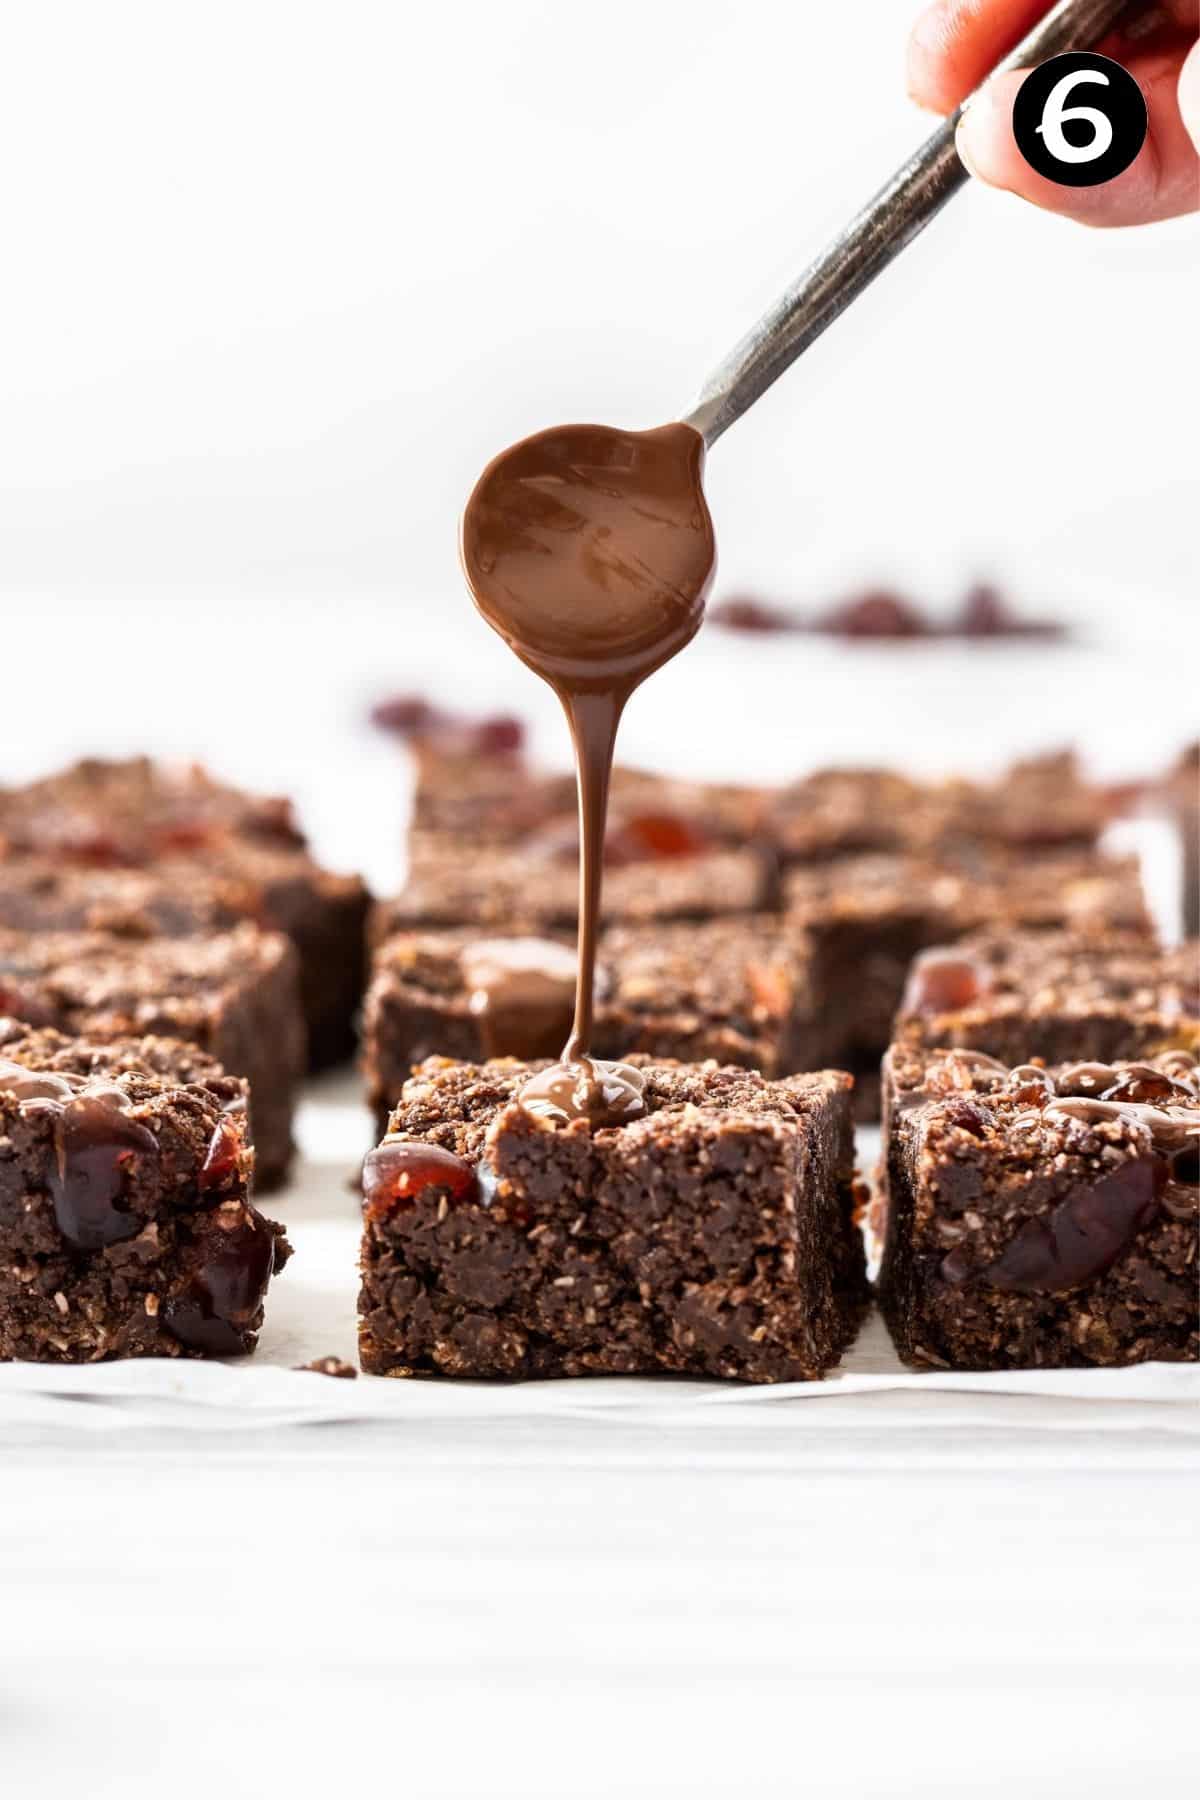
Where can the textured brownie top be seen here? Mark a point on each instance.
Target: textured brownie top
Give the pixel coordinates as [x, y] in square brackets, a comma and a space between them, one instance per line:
[873, 888]
[837, 812]
[454, 1104]
[215, 852]
[498, 799]
[129, 987]
[169, 1062]
[645, 806]
[738, 969]
[208, 891]
[489, 797]
[1040, 803]
[263, 881]
[1049, 975]
[177, 1091]
[134, 811]
[450, 884]
[38, 894]
[1082, 1090]
[1082, 889]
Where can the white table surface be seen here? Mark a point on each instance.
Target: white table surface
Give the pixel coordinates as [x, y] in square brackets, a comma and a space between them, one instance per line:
[593, 1608]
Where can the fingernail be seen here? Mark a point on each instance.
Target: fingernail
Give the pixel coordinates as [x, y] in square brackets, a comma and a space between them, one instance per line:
[976, 128]
[964, 150]
[984, 133]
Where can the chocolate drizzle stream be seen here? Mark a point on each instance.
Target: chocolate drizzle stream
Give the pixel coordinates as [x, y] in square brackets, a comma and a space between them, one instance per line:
[591, 552]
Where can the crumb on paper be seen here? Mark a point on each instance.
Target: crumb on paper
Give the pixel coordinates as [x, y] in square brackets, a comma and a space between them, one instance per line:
[329, 1365]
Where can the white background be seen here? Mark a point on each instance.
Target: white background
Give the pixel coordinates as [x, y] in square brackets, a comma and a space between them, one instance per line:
[278, 279]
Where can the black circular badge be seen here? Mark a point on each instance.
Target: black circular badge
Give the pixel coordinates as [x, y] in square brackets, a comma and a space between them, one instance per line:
[1079, 119]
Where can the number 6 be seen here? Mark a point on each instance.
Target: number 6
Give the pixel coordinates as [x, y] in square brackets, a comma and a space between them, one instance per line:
[1055, 115]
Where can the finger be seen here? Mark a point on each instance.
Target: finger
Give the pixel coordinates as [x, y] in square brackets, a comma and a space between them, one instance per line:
[1161, 182]
[956, 43]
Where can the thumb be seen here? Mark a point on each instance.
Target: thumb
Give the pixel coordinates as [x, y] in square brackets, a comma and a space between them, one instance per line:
[1144, 191]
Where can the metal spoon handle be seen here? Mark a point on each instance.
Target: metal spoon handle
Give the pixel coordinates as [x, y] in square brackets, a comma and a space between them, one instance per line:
[880, 231]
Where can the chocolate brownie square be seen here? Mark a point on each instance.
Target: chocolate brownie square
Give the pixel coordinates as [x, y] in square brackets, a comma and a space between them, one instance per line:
[485, 797]
[863, 920]
[866, 918]
[38, 894]
[127, 814]
[209, 854]
[452, 884]
[1039, 805]
[235, 995]
[1040, 1217]
[1063, 996]
[713, 1235]
[325, 915]
[846, 812]
[126, 1226]
[732, 991]
[495, 798]
[1085, 890]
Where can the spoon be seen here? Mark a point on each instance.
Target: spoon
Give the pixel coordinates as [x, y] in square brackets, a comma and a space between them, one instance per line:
[885, 226]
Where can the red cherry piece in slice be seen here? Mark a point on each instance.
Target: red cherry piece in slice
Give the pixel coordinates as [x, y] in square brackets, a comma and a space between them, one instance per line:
[943, 981]
[235, 1260]
[96, 1149]
[185, 835]
[643, 836]
[100, 849]
[398, 1172]
[224, 1153]
[1144, 1086]
[968, 1116]
[1083, 1236]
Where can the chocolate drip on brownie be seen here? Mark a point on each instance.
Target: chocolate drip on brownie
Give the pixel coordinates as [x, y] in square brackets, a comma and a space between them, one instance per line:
[520, 993]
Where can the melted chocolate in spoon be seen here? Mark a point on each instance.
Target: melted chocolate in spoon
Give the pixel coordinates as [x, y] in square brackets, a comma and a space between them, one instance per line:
[591, 552]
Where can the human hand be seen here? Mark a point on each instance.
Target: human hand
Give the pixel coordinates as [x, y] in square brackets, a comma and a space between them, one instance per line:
[955, 42]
